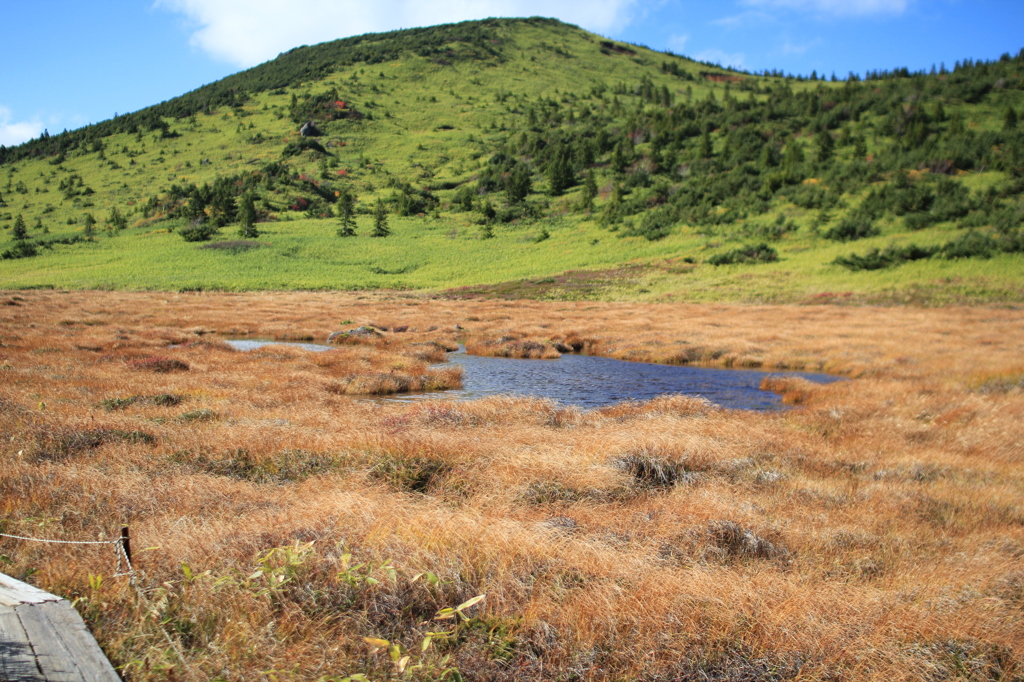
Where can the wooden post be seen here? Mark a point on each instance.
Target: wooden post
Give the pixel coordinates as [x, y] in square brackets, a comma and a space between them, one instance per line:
[126, 543]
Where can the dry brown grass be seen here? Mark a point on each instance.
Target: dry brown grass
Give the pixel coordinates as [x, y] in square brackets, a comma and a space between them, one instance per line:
[875, 532]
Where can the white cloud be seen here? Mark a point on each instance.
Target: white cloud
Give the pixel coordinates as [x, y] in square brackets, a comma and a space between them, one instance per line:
[744, 19]
[247, 32]
[838, 8]
[678, 43]
[792, 48]
[735, 60]
[12, 133]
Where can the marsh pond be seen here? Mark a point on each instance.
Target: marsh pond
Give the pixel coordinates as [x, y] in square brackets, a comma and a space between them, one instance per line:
[588, 381]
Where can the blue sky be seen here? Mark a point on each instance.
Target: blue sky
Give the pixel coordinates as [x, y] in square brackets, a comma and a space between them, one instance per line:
[65, 63]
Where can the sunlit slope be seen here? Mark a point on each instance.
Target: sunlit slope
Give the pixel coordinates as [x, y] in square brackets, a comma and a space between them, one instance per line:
[513, 150]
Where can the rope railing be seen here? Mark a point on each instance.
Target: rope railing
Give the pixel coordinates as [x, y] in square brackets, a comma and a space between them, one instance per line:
[62, 542]
[122, 548]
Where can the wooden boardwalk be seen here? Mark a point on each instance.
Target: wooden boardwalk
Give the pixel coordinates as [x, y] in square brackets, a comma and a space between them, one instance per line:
[43, 639]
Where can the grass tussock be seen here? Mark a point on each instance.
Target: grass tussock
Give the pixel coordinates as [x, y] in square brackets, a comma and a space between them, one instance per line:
[1000, 382]
[409, 472]
[162, 399]
[158, 364]
[510, 347]
[794, 390]
[288, 466]
[874, 532]
[651, 472]
[62, 443]
[386, 383]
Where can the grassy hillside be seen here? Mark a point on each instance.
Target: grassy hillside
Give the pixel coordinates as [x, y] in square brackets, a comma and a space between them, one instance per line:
[531, 158]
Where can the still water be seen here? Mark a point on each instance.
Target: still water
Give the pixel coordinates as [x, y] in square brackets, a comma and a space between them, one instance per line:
[588, 381]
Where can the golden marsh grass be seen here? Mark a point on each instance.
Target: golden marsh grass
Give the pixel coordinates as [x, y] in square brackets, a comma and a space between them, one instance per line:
[876, 531]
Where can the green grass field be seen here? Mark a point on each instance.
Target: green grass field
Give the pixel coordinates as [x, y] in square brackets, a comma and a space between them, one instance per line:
[436, 254]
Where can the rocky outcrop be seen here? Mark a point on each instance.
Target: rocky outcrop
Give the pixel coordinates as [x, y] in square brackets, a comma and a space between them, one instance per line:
[363, 333]
[309, 129]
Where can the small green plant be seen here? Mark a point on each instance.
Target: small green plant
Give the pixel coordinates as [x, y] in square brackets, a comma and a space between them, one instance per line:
[201, 232]
[356, 575]
[112, 404]
[971, 244]
[201, 415]
[95, 582]
[888, 257]
[22, 249]
[278, 567]
[410, 664]
[852, 228]
[653, 226]
[759, 253]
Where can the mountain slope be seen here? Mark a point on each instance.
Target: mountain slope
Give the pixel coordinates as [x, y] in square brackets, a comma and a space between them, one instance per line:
[514, 150]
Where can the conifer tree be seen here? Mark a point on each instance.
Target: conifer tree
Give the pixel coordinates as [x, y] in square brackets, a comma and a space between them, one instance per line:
[464, 198]
[860, 148]
[20, 233]
[1010, 119]
[560, 174]
[247, 218]
[117, 221]
[346, 205]
[90, 222]
[794, 156]
[618, 159]
[380, 221]
[488, 210]
[825, 145]
[589, 192]
[613, 209]
[706, 149]
[518, 187]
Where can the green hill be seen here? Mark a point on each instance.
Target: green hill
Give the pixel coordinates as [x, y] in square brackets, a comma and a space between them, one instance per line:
[527, 157]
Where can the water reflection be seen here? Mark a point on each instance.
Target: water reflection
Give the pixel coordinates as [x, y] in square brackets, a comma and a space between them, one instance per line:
[253, 344]
[589, 382]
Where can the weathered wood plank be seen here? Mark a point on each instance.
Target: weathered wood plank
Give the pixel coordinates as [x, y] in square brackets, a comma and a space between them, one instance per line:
[53, 657]
[17, 659]
[75, 636]
[14, 592]
[43, 639]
